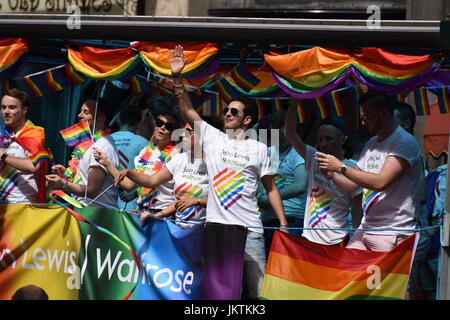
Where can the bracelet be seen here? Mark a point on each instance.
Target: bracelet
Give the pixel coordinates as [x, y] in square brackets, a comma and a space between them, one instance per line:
[65, 186]
[199, 204]
[178, 85]
[4, 156]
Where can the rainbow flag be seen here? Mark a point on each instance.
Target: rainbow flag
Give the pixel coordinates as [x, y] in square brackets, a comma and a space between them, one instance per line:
[44, 155]
[226, 90]
[74, 77]
[421, 100]
[260, 106]
[399, 97]
[443, 99]
[55, 80]
[33, 86]
[335, 103]
[216, 104]
[320, 107]
[298, 269]
[244, 79]
[76, 134]
[276, 105]
[139, 84]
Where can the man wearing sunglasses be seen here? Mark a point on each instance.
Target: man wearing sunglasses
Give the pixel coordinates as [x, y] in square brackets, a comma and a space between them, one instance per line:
[235, 164]
[388, 170]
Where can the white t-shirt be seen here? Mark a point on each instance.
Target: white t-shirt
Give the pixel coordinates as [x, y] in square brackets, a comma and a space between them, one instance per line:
[18, 187]
[163, 195]
[234, 169]
[395, 207]
[327, 206]
[105, 144]
[190, 181]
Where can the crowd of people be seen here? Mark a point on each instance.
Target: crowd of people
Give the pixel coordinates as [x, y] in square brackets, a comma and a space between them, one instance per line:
[174, 162]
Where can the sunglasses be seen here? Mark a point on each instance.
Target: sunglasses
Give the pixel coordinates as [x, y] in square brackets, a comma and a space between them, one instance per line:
[234, 111]
[169, 126]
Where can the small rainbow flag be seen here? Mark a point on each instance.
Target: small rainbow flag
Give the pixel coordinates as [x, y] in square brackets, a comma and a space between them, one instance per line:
[44, 155]
[276, 105]
[335, 103]
[422, 103]
[244, 79]
[298, 269]
[320, 107]
[443, 99]
[139, 84]
[301, 112]
[260, 106]
[74, 77]
[54, 80]
[399, 97]
[76, 134]
[226, 90]
[33, 86]
[216, 105]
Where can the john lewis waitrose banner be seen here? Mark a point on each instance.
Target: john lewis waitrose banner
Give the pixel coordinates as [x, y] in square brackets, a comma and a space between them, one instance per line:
[46, 246]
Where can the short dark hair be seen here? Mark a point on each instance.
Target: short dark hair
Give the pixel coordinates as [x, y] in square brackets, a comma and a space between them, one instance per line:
[103, 108]
[20, 95]
[406, 112]
[30, 292]
[250, 108]
[131, 115]
[377, 99]
[342, 127]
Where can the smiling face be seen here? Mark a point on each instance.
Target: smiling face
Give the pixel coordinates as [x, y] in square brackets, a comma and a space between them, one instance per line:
[13, 113]
[165, 124]
[233, 116]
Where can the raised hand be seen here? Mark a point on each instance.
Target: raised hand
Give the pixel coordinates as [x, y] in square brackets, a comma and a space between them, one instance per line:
[177, 62]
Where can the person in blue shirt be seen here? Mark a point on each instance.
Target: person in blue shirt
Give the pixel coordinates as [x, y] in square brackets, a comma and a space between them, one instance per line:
[128, 145]
[291, 180]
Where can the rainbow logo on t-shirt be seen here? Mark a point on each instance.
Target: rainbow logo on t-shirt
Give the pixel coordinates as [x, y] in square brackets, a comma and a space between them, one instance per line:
[319, 204]
[369, 198]
[185, 191]
[228, 186]
[280, 181]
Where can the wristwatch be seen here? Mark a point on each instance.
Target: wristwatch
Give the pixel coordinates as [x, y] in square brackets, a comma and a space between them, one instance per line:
[343, 169]
[3, 157]
[199, 204]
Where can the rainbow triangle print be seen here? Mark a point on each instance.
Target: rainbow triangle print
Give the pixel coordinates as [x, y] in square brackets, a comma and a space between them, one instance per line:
[319, 204]
[298, 269]
[188, 190]
[369, 198]
[228, 186]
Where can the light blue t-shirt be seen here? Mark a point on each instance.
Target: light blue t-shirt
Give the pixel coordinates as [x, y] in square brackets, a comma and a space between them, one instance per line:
[287, 163]
[128, 145]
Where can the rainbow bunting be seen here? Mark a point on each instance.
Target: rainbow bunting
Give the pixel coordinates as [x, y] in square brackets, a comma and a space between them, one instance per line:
[298, 269]
[421, 100]
[443, 99]
[320, 107]
[244, 79]
[301, 112]
[335, 104]
[76, 134]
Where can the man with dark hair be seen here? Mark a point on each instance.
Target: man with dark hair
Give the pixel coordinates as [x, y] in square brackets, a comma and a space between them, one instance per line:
[20, 179]
[405, 116]
[235, 164]
[389, 172]
[30, 292]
